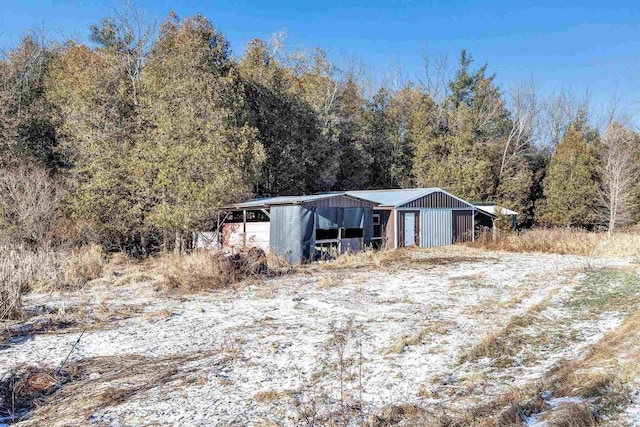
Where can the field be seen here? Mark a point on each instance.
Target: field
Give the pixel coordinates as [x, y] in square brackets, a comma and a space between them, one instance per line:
[454, 336]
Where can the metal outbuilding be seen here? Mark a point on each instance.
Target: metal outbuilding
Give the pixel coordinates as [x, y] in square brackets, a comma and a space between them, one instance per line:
[301, 228]
[419, 217]
[298, 228]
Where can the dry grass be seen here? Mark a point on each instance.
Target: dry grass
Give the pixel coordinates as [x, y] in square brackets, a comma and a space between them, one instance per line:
[14, 274]
[45, 270]
[102, 382]
[397, 413]
[600, 377]
[569, 414]
[417, 338]
[268, 396]
[606, 368]
[132, 278]
[26, 387]
[207, 270]
[502, 345]
[394, 260]
[564, 241]
[84, 264]
[21, 270]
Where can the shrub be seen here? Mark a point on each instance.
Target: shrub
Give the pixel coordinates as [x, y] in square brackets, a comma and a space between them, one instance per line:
[29, 202]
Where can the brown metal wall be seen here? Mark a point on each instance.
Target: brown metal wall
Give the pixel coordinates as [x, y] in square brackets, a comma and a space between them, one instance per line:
[391, 230]
[436, 200]
[340, 202]
[462, 226]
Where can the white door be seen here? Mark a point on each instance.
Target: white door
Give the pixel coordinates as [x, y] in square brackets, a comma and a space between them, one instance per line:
[409, 228]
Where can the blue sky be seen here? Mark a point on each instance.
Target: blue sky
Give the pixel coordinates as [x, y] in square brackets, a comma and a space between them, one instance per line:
[576, 45]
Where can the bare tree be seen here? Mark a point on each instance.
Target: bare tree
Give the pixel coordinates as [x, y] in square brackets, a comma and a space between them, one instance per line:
[525, 109]
[437, 74]
[560, 110]
[130, 33]
[620, 172]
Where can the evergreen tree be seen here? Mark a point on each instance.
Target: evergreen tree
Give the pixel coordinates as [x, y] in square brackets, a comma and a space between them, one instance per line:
[460, 150]
[571, 184]
[378, 140]
[198, 152]
[27, 119]
[288, 127]
[98, 130]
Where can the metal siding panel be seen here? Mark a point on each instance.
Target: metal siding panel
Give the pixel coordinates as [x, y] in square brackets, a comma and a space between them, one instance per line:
[434, 201]
[462, 226]
[339, 202]
[437, 227]
[424, 228]
[285, 233]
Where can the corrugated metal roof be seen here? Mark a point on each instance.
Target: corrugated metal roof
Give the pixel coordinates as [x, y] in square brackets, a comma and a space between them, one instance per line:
[281, 200]
[495, 210]
[395, 197]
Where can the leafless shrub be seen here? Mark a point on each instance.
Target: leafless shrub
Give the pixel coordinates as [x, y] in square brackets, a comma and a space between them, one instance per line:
[335, 395]
[29, 202]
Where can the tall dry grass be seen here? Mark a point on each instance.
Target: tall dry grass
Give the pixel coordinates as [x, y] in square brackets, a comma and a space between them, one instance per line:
[13, 275]
[83, 265]
[23, 270]
[563, 241]
[208, 270]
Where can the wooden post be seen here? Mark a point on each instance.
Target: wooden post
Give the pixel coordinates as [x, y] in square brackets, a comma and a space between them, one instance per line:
[217, 235]
[244, 228]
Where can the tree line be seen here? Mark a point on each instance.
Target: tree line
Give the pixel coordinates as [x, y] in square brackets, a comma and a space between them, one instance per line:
[138, 136]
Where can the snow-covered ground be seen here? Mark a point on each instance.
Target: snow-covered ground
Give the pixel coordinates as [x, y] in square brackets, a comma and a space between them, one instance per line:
[275, 348]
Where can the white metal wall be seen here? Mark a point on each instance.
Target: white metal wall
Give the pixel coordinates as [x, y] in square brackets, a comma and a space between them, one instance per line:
[257, 235]
[436, 227]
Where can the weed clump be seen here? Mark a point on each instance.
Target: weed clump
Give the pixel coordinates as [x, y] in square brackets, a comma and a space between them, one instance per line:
[200, 271]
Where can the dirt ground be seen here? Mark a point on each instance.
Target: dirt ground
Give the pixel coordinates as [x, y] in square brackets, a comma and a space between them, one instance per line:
[444, 334]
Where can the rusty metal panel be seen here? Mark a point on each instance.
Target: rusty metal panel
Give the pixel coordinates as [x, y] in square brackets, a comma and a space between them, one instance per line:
[436, 200]
[462, 226]
[437, 227]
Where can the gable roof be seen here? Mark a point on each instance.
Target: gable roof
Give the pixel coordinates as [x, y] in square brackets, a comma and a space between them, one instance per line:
[399, 197]
[395, 197]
